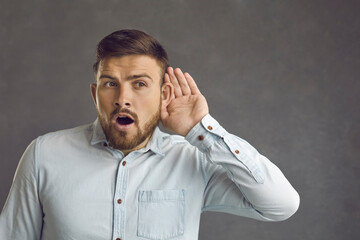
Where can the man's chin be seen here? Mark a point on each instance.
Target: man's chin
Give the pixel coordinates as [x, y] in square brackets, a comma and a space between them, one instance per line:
[122, 135]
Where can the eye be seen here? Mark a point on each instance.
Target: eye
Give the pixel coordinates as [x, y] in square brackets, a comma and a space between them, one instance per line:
[140, 84]
[110, 84]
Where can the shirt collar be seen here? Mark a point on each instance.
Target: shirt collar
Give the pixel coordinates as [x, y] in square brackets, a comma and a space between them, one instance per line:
[154, 144]
[98, 133]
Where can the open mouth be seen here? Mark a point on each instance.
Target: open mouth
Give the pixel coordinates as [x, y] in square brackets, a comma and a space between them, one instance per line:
[124, 120]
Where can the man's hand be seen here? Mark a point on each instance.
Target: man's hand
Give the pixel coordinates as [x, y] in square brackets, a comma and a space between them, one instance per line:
[187, 107]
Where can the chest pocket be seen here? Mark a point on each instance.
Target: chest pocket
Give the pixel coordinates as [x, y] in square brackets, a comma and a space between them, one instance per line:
[161, 214]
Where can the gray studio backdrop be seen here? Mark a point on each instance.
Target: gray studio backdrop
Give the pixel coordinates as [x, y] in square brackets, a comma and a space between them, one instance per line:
[284, 75]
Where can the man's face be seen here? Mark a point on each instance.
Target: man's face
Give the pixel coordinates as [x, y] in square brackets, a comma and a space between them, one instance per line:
[128, 99]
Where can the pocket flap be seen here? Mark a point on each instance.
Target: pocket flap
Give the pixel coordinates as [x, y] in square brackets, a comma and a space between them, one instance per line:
[159, 195]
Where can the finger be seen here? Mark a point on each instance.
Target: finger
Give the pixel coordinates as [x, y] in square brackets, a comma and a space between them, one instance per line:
[174, 81]
[192, 84]
[166, 78]
[185, 89]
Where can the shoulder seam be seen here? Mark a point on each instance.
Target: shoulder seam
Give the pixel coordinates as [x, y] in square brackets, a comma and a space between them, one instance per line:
[68, 131]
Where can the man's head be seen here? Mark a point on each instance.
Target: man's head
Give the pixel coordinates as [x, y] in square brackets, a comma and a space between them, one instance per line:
[129, 91]
[130, 42]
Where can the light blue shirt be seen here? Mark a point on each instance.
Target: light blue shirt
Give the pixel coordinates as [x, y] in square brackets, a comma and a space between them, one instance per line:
[70, 185]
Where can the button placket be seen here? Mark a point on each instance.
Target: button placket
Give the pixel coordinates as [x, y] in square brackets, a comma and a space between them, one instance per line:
[120, 193]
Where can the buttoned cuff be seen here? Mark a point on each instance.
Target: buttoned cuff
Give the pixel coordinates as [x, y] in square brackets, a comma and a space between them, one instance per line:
[205, 133]
[208, 131]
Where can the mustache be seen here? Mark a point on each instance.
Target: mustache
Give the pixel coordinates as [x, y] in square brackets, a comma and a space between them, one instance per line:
[125, 110]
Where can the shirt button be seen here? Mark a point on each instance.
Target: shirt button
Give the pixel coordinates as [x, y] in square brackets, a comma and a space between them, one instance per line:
[118, 239]
[210, 127]
[201, 137]
[105, 144]
[119, 201]
[237, 151]
[124, 163]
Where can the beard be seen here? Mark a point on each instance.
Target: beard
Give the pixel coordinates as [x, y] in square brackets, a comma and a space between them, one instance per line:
[122, 140]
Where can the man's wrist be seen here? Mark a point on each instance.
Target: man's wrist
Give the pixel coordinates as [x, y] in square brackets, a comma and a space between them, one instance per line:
[201, 135]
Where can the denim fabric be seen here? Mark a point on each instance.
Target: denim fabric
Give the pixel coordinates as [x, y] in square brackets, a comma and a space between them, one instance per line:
[70, 185]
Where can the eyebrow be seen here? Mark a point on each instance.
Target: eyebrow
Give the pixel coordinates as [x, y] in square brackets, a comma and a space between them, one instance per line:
[139, 76]
[107, 76]
[131, 77]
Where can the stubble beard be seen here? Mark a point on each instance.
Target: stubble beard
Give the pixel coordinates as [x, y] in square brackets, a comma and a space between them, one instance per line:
[120, 139]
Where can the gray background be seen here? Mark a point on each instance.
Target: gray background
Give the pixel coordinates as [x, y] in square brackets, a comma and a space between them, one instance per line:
[283, 75]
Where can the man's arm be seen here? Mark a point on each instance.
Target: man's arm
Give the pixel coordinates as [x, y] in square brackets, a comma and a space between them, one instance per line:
[239, 180]
[21, 217]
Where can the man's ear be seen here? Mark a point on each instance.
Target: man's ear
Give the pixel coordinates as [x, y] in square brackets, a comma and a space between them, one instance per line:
[93, 92]
[167, 94]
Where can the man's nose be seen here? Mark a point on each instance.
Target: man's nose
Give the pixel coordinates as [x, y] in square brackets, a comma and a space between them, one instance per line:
[124, 98]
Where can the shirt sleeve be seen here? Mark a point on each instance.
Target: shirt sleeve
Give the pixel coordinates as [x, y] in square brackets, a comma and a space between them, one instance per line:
[21, 216]
[239, 180]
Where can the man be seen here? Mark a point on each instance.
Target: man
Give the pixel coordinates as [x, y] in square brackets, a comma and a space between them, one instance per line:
[122, 178]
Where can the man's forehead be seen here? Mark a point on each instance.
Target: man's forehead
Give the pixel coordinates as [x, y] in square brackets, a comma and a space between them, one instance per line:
[130, 63]
[130, 66]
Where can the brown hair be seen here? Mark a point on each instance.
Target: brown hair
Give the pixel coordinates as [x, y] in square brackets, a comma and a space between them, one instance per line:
[130, 42]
